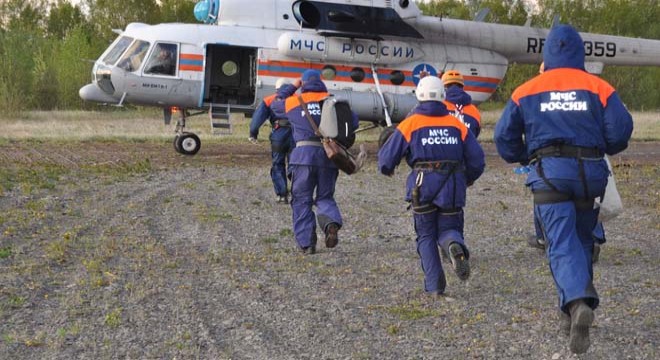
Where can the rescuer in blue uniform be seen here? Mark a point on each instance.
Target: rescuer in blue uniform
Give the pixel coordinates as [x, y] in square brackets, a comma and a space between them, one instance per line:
[563, 121]
[445, 158]
[537, 241]
[459, 103]
[281, 140]
[313, 175]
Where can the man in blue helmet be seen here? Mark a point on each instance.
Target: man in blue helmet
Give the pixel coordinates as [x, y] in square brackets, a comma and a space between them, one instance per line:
[281, 142]
[313, 174]
[445, 158]
[563, 122]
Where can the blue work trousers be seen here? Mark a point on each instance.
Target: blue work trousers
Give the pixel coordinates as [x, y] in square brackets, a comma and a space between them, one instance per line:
[281, 142]
[570, 242]
[598, 233]
[436, 229]
[313, 185]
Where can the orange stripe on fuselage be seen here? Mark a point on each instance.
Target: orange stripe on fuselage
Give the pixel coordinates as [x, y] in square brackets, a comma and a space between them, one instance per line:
[308, 97]
[190, 67]
[417, 121]
[482, 79]
[564, 79]
[192, 56]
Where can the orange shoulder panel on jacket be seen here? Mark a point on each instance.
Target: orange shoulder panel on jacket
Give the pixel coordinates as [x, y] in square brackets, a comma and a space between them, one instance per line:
[416, 122]
[450, 105]
[292, 101]
[269, 99]
[564, 79]
[472, 111]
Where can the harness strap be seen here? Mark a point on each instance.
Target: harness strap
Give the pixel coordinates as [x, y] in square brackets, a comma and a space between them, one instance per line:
[570, 151]
[282, 122]
[427, 208]
[553, 197]
[308, 143]
[450, 211]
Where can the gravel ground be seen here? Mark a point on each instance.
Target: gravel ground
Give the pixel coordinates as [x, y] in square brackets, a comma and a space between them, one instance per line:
[115, 251]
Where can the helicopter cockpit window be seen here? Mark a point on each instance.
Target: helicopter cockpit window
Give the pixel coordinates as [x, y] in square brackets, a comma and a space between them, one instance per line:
[162, 60]
[133, 58]
[117, 50]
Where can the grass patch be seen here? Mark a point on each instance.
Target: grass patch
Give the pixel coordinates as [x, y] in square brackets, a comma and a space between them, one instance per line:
[270, 240]
[209, 215]
[646, 124]
[113, 318]
[30, 179]
[15, 301]
[5, 252]
[413, 310]
[58, 249]
[286, 232]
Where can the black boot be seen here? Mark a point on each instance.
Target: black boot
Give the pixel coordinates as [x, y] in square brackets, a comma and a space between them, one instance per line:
[459, 261]
[595, 255]
[582, 316]
[536, 242]
[331, 236]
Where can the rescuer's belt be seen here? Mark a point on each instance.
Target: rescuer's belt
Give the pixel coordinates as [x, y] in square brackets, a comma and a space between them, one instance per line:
[444, 166]
[563, 150]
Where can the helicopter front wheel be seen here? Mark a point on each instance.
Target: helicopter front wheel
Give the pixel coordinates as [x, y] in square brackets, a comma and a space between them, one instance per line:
[187, 143]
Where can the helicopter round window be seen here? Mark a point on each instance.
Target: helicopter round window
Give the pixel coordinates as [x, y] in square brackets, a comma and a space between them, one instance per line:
[229, 68]
[397, 77]
[357, 74]
[329, 72]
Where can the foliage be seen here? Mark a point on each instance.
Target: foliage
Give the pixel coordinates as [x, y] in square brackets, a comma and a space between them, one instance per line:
[116, 14]
[44, 44]
[637, 86]
[76, 52]
[16, 64]
[63, 18]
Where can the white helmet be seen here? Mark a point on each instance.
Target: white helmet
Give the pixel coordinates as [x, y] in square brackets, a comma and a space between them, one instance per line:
[281, 82]
[430, 88]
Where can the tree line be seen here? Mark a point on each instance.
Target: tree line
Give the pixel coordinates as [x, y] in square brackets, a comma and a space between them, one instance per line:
[47, 48]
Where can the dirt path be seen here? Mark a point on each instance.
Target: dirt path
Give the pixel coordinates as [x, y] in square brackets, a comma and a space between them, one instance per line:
[132, 251]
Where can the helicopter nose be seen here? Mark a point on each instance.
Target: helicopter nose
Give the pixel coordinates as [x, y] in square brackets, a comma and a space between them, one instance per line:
[91, 92]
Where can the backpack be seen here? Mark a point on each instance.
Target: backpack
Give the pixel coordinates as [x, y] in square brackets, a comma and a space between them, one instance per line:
[337, 121]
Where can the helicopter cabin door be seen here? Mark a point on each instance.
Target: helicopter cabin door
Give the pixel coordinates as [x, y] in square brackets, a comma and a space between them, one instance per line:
[230, 75]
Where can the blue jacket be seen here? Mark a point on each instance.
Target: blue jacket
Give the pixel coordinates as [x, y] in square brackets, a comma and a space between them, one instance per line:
[271, 108]
[564, 105]
[432, 134]
[312, 92]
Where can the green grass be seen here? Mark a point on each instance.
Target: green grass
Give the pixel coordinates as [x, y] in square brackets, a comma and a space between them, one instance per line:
[5, 252]
[646, 125]
[113, 318]
[413, 310]
[145, 125]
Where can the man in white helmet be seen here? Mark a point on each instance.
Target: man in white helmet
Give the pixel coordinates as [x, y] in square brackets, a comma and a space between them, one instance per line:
[281, 140]
[445, 158]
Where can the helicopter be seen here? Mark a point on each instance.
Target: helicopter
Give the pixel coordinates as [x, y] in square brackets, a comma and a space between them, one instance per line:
[371, 53]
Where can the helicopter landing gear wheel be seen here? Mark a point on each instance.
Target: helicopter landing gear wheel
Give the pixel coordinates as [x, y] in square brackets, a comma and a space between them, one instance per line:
[187, 143]
[176, 143]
